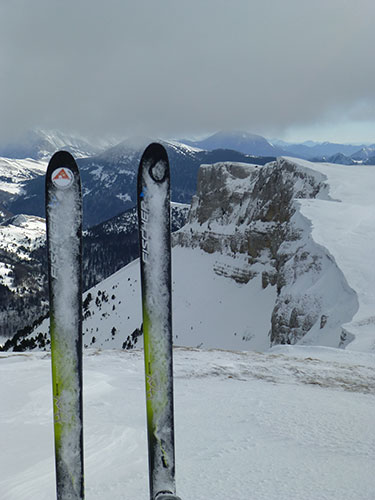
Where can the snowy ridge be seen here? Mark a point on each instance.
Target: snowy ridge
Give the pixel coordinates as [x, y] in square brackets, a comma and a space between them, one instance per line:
[55, 140]
[42, 144]
[13, 173]
[345, 226]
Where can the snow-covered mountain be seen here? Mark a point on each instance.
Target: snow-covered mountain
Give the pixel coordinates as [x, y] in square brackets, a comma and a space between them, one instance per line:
[22, 234]
[23, 270]
[109, 178]
[26, 160]
[13, 175]
[364, 154]
[251, 144]
[327, 152]
[23, 286]
[42, 144]
[338, 158]
[254, 144]
[310, 150]
[274, 254]
[114, 243]
[305, 231]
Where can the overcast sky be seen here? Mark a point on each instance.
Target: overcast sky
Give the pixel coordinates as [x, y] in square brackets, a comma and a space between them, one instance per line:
[291, 69]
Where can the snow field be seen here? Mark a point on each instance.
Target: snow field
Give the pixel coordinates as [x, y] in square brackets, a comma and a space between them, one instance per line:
[248, 425]
[13, 173]
[345, 225]
[23, 234]
[209, 310]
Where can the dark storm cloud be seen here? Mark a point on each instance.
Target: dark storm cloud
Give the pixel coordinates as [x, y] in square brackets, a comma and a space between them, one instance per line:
[173, 67]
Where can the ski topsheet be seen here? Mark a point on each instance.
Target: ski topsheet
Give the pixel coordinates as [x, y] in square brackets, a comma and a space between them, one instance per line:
[64, 242]
[155, 259]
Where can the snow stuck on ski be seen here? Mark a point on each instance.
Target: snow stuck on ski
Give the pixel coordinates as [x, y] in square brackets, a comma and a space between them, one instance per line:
[155, 250]
[64, 233]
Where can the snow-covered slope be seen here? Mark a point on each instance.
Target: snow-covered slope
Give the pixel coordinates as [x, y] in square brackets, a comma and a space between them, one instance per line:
[345, 226]
[22, 284]
[23, 261]
[13, 175]
[22, 234]
[19, 236]
[210, 310]
[273, 426]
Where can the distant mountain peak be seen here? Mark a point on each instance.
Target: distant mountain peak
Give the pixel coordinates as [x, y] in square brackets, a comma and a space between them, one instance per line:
[240, 134]
[239, 140]
[40, 144]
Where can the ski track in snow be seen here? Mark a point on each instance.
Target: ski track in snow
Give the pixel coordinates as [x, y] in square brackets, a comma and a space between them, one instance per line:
[294, 423]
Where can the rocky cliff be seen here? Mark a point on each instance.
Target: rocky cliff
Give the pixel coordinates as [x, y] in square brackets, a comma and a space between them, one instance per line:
[251, 214]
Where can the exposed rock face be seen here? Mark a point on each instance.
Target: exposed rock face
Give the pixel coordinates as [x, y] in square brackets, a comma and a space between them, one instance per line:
[251, 214]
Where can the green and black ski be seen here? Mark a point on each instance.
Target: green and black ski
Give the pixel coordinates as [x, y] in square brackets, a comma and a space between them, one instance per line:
[64, 242]
[155, 259]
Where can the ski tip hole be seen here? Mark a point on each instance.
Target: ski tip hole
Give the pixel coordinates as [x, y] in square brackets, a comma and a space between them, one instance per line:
[158, 171]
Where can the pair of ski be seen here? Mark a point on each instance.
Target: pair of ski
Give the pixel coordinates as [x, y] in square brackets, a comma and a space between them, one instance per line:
[64, 242]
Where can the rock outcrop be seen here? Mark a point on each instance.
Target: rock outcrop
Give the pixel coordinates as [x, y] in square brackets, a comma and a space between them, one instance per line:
[251, 214]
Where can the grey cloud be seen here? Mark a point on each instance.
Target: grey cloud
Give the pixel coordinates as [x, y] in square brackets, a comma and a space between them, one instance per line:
[173, 67]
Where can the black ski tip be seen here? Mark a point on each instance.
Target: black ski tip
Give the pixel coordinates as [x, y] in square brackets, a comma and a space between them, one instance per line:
[155, 158]
[155, 151]
[62, 170]
[61, 158]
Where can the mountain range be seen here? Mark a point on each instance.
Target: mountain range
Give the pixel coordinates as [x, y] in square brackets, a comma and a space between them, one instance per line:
[270, 255]
[41, 144]
[110, 240]
[241, 141]
[109, 178]
[348, 154]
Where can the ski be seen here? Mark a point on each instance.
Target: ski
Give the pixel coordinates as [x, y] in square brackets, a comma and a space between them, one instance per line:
[155, 260]
[64, 243]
